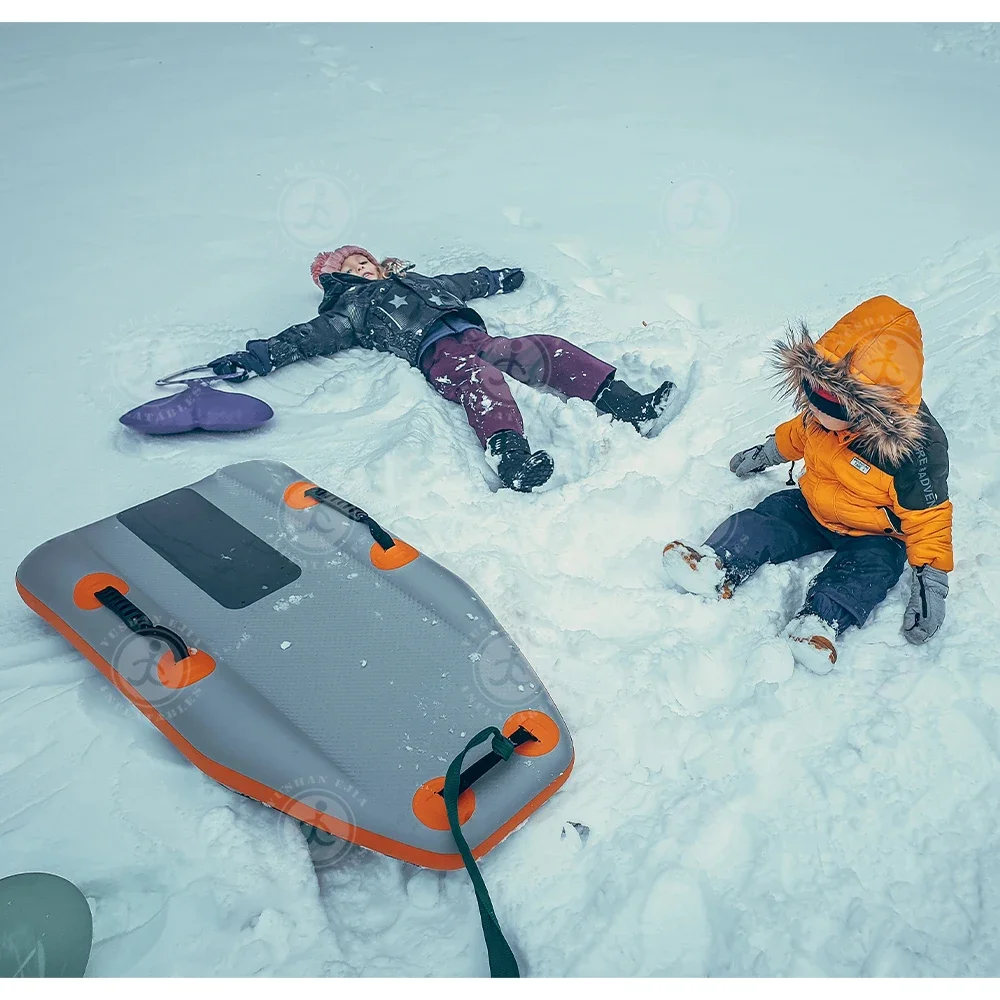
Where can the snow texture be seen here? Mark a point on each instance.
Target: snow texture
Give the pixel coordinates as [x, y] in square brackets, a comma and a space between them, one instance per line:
[674, 194]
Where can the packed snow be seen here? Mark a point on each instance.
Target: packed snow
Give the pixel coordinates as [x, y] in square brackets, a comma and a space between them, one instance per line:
[675, 194]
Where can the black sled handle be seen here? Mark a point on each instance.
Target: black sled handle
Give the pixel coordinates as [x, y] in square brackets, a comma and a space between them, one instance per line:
[353, 512]
[138, 621]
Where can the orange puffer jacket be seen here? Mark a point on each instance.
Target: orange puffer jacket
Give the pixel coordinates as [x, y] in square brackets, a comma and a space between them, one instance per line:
[888, 473]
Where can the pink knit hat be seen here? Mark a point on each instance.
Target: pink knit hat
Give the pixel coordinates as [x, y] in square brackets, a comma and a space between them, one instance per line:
[330, 261]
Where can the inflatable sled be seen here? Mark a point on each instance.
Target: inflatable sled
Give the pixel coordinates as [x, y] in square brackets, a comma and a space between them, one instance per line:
[294, 651]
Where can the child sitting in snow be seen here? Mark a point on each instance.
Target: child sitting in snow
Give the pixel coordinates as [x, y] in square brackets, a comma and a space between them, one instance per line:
[425, 320]
[875, 487]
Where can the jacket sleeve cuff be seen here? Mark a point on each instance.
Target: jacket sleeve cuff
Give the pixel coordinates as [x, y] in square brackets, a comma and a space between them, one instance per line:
[492, 280]
[771, 453]
[942, 563]
[260, 350]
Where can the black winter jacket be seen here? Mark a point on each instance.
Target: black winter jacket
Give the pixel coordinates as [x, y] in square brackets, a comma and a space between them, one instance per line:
[391, 315]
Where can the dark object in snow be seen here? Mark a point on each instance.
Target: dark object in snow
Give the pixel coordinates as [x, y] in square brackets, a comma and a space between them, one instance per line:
[641, 410]
[582, 831]
[511, 278]
[240, 365]
[518, 468]
[46, 928]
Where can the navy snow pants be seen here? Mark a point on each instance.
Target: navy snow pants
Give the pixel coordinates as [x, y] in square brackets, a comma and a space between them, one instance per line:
[781, 527]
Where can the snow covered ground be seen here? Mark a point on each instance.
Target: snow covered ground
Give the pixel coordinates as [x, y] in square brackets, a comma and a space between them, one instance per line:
[163, 189]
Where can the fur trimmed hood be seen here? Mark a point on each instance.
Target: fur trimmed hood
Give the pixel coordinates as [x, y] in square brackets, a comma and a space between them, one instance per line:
[872, 361]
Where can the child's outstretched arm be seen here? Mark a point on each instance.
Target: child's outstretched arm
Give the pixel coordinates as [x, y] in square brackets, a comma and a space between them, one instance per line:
[326, 334]
[482, 282]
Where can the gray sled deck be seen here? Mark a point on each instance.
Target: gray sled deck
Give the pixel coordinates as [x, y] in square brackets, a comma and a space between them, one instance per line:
[328, 675]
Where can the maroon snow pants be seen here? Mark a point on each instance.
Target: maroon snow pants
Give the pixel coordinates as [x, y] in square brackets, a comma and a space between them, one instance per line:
[467, 369]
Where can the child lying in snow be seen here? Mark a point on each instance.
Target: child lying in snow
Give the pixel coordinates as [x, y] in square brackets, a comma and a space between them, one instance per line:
[425, 320]
[875, 486]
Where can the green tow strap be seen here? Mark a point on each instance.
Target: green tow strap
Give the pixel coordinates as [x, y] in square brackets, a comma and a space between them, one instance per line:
[503, 965]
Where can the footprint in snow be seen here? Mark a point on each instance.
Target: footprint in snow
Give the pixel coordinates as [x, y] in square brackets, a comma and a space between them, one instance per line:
[601, 281]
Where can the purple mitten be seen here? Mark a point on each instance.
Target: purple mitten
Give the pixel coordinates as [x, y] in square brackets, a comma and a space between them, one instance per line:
[199, 406]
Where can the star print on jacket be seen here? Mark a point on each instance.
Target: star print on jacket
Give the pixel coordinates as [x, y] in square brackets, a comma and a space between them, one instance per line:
[383, 315]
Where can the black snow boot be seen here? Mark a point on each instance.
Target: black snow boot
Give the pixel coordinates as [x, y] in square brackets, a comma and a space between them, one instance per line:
[641, 410]
[510, 456]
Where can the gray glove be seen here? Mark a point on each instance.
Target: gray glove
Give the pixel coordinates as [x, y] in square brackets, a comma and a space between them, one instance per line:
[925, 612]
[756, 459]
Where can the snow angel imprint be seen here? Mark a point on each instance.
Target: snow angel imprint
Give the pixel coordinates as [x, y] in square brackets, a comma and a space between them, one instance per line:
[387, 306]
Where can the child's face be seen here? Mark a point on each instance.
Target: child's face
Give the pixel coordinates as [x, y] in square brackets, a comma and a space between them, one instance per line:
[360, 265]
[825, 420]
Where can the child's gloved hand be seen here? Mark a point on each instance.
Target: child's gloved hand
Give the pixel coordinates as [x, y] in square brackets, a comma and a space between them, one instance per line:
[925, 612]
[756, 459]
[395, 265]
[256, 360]
[510, 278]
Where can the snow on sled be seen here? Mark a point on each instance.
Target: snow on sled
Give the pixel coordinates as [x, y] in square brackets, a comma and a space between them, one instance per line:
[294, 651]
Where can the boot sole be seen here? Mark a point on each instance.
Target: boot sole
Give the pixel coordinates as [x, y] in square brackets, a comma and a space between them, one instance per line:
[534, 473]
